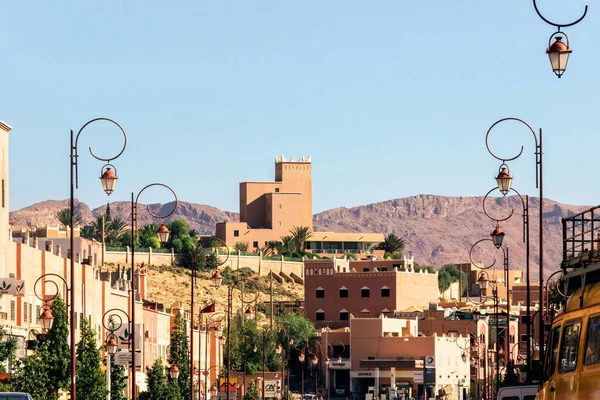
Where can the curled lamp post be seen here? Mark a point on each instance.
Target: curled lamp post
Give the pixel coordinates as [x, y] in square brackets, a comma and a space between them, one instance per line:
[217, 280]
[112, 321]
[539, 184]
[108, 179]
[217, 318]
[163, 236]
[558, 52]
[46, 317]
[197, 253]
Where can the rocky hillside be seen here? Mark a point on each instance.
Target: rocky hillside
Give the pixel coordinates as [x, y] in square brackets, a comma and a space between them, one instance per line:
[437, 229]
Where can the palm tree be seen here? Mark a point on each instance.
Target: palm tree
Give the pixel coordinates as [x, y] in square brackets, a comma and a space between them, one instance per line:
[301, 234]
[392, 244]
[287, 245]
[64, 217]
[272, 247]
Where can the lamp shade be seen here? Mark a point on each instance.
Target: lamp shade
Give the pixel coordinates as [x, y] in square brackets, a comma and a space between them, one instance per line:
[163, 233]
[558, 53]
[278, 348]
[249, 314]
[174, 372]
[255, 349]
[301, 357]
[315, 360]
[476, 315]
[291, 342]
[217, 279]
[47, 319]
[504, 180]
[108, 180]
[327, 359]
[214, 391]
[483, 282]
[111, 346]
[497, 236]
[464, 356]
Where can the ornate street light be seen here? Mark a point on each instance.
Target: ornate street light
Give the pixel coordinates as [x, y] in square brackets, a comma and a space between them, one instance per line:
[464, 356]
[504, 179]
[249, 314]
[47, 319]
[476, 314]
[558, 52]
[134, 282]
[174, 372]
[497, 236]
[163, 233]
[217, 279]
[108, 180]
[111, 346]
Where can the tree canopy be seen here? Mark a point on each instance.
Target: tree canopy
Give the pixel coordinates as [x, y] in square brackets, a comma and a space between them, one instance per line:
[393, 246]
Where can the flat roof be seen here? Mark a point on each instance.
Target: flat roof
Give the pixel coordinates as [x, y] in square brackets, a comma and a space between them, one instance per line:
[346, 237]
[5, 126]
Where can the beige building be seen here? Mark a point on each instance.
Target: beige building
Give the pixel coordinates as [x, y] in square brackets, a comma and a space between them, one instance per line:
[99, 293]
[269, 210]
[335, 291]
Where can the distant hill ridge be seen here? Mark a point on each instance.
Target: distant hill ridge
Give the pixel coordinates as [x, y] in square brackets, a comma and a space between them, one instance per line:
[437, 229]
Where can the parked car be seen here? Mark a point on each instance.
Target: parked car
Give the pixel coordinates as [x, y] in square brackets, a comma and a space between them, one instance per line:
[526, 392]
[15, 396]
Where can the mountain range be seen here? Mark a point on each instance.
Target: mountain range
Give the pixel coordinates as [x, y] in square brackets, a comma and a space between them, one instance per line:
[437, 230]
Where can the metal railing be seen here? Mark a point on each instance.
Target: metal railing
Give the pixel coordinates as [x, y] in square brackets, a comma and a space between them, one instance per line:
[581, 236]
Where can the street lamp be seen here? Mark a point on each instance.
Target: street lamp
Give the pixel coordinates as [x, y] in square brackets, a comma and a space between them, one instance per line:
[46, 317]
[301, 358]
[504, 180]
[197, 252]
[497, 236]
[112, 321]
[108, 179]
[217, 318]
[217, 280]
[539, 184]
[558, 52]
[174, 372]
[163, 233]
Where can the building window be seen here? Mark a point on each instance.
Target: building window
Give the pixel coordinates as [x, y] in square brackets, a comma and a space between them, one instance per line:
[276, 190]
[25, 312]
[366, 269]
[80, 320]
[385, 292]
[383, 269]
[30, 313]
[13, 310]
[255, 244]
[343, 293]
[279, 223]
[236, 233]
[279, 205]
[320, 293]
[365, 292]
[38, 311]
[320, 316]
[344, 315]
[3, 193]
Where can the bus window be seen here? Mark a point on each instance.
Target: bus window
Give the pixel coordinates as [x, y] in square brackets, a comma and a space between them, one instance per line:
[592, 342]
[553, 354]
[568, 347]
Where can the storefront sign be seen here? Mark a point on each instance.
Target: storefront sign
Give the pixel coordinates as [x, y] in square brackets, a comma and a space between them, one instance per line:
[429, 377]
[12, 286]
[362, 374]
[429, 361]
[418, 376]
[339, 364]
[419, 363]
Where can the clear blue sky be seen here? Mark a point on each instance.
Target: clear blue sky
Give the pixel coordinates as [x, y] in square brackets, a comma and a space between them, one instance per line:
[391, 98]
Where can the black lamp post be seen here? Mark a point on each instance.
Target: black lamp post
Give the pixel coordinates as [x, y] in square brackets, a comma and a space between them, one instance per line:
[46, 317]
[108, 178]
[112, 321]
[198, 252]
[558, 52]
[217, 280]
[539, 184]
[163, 235]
